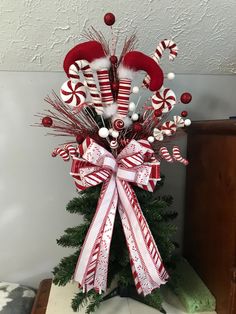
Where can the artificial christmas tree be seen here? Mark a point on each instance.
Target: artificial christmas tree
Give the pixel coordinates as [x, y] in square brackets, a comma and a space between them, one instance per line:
[159, 219]
[126, 235]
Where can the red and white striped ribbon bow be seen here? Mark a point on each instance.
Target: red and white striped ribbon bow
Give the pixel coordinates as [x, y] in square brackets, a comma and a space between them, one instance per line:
[135, 164]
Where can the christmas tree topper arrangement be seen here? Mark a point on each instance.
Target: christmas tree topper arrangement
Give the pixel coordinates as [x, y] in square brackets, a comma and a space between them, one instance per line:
[119, 142]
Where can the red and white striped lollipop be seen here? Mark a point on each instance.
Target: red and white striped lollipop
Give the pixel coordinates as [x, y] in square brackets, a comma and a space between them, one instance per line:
[164, 99]
[168, 128]
[73, 93]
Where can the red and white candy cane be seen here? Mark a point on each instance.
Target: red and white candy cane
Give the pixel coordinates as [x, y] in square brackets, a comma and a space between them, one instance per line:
[62, 152]
[84, 66]
[132, 62]
[71, 149]
[162, 46]
[73, 93]
[168, 128]
[164, 99]
[163, 152]
[177, 156]
[87, 56]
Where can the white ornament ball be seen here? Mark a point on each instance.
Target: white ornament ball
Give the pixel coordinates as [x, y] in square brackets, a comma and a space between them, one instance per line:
[132, 106]
[110, 131]
[151, 139]
[187, 122]
[171, 76]
[135, 89]
[115, 134]
[135, 117]
[103, 132]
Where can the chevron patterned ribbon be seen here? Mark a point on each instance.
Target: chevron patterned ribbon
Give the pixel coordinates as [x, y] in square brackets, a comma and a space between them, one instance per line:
[135, 164]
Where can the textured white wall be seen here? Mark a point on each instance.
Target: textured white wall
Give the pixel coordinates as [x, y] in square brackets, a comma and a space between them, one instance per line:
[36, 34]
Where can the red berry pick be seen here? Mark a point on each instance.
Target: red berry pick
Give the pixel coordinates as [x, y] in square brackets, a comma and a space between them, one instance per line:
[109, 19]
[79, 138]
[186, 98]
[47, 122]
[184, 113]
[157, 112]
[113, 59]
[137, 127]
[115, 86]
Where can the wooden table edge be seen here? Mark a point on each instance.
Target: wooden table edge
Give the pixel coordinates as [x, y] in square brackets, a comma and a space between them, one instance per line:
[42, 296]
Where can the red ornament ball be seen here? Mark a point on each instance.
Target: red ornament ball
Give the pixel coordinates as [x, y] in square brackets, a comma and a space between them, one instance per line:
[109, 19]
[186, 98]
[184, 113]
[115, 86]
[79, 139]
[47, 122]
[137, 127]
[157, 112]
[113, 59]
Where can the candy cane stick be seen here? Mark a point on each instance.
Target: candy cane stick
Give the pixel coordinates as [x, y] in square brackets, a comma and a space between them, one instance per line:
[71, 149]
[162, 46]
[105, 86]
[177, 156]
[132, 62]
[64, 154]
[165, 154]
[84, 66]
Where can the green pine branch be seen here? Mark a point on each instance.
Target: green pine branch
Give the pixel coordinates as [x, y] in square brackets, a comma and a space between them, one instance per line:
[63, 273]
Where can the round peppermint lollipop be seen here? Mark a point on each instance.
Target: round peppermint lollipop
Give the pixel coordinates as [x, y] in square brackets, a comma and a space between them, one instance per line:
[164, 99]
[73, 93]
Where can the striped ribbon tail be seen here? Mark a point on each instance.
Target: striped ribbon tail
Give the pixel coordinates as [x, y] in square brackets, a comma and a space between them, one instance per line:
[105, 86]
[123, 97]
[147, 267]
[92, 266]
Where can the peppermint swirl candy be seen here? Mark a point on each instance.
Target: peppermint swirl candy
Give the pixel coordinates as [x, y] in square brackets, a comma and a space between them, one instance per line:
[158, 134]
[73, 93]
[179, 121]
[164, 99]
[114, 144]
[168, 128]
[118, 124]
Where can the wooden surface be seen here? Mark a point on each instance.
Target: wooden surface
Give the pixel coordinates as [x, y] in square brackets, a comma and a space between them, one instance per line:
[210, 216]
[41, 300]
